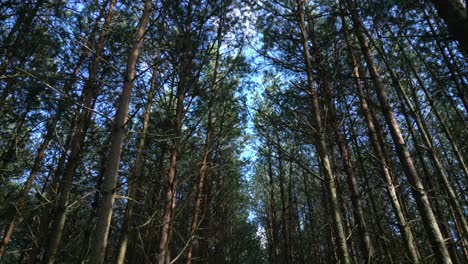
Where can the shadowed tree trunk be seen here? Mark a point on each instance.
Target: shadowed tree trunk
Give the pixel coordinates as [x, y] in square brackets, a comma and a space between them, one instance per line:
[455, 15]
[50, 132]
[442, 174]
[417, 188]
[83, 122]
[358, 211]
[405, 228]
[207, 148]
[23, 25]
[320, 141]
[171, 176]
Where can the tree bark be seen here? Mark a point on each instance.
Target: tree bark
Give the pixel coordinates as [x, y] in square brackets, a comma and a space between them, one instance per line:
[12, 48]
[77, 141]
[207, 148]
[134, 181]
[320, 142]
[442, 174]
[455, 16]
[171, 176]
[104, 214]
[417, 188]
[405, 228]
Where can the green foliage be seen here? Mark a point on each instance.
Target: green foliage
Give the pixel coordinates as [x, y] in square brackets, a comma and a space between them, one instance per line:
[241, 70]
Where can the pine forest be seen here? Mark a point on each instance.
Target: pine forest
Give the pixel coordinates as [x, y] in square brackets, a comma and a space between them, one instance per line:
[233, 131]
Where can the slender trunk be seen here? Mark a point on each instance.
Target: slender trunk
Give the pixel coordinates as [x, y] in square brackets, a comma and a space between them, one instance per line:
[205, 234]
[200, 186]
[439, 212]
[142, 241]
[207, 148]
[347, 216]
[135, 180]
[429, 181]
[442, 174]
[374, 213]
[291, 217]
[41, 154]
[50, 195]
[461, 240]
[270, 226]
[332, 254]
[456, 18]
[321, 144]
[454, 74]
[12, 48]
[28, 184]
[417, 188]
[312, 226]
[405, 228]
[274, 223]
[52, 189]
[108, 192]
[353, 187]
[171, 176]
[435, 110]
[94, 205]
[171, 183]
[77, 142]
[347, 164]
[284, 213]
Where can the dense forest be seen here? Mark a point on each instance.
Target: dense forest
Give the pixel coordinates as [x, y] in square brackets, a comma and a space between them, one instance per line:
[233, 131]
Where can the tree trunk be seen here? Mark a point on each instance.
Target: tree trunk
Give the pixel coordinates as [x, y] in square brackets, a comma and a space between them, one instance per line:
[316, 247]
[417, 188]
[347, 164]
[405, 228]
[284, 212]
[321, 144]
[77, 142]
[274, 221]
[358, 211]
[456, 18]
[207, 148]
[44, 219]
[134, 181]
[429, 181]
[171, 176]
[50, 195]
[24, 27]
[378, 229]
[442, 174]
[104, 214]
[50, 132]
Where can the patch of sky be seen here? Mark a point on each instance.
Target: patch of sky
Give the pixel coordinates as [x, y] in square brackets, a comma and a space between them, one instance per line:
[252, 93]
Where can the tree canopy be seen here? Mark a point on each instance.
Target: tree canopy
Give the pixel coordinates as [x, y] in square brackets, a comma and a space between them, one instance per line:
[233, 131]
